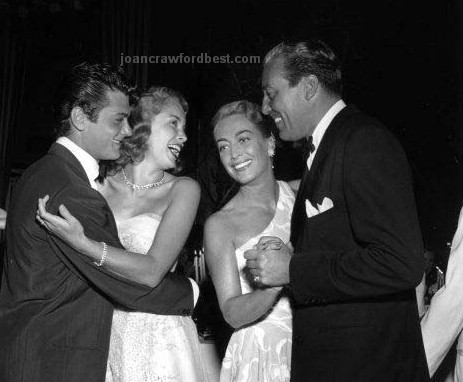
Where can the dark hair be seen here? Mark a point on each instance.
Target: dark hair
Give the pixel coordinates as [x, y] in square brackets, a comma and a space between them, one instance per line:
[146, 105]
[305, 58]
[85, 86]
[249, 110]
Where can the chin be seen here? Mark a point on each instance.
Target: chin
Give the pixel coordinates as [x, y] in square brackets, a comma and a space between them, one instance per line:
[112, 156]
[284, 135]
[171, 165]
[289, 136]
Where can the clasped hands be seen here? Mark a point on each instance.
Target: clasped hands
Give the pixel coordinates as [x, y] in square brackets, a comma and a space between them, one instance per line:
[269, 261]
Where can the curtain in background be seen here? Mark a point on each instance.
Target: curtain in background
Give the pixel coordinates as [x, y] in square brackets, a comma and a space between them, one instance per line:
[126, 30]
[13, 73]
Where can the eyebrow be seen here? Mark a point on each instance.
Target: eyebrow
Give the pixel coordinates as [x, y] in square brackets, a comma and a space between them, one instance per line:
[175, 116]
[243, 131]
[238, 133]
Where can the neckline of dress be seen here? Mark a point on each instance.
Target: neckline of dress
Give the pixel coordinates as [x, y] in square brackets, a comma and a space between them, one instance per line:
[152, 214]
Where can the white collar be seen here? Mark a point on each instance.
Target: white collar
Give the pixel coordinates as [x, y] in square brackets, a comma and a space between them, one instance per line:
[320, 130]
[89, 163]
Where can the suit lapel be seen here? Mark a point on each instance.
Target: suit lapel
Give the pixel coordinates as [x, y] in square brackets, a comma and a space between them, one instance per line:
[328, 141]
[311, 177]
[64, 154]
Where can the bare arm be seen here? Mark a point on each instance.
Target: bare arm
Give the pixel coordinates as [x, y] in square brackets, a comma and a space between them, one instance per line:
[238, 309]
[169, 240]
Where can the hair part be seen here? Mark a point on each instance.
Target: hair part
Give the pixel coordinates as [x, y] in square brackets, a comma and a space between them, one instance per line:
[249, 110]
[145, 106]
[86, 86]
[313, 57]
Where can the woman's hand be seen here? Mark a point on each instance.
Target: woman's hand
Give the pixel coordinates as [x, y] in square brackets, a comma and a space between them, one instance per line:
[67, 227]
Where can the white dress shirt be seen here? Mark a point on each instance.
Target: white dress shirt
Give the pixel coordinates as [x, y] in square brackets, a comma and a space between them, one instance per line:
[91, 168]
[320, 130]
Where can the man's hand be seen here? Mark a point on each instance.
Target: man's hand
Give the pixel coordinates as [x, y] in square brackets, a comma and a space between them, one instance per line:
[269, 261]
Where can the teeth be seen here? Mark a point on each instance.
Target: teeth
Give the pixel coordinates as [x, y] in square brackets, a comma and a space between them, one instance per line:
[175, 149]
[278, 119]
[242, 164]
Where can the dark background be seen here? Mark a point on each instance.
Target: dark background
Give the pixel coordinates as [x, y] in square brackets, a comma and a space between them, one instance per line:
[401, 63]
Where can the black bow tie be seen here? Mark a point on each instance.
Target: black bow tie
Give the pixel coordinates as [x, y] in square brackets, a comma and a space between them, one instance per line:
[307, 148]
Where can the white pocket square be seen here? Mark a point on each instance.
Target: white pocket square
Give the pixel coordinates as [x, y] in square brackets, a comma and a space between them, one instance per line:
[312, 211]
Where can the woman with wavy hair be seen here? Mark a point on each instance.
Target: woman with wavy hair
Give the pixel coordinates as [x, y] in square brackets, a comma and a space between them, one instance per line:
[154, 212]
[260, 348]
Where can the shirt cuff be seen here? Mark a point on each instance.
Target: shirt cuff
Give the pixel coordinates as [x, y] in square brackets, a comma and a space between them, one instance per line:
[195, 291]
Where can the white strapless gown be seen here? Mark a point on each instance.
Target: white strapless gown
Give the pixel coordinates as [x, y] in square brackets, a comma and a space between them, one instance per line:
[261, 352]
[148, 347]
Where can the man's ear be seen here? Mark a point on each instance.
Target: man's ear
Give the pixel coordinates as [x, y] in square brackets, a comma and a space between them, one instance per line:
[310, 85]
[78, 118]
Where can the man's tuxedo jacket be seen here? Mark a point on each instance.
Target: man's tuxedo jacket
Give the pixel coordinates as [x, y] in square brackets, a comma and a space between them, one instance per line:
[56, 306]
[356, 265]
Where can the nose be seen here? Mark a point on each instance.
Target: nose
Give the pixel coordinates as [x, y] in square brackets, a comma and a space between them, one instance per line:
[265, 105]
[126, 131]
[235, 152]
[181, 136]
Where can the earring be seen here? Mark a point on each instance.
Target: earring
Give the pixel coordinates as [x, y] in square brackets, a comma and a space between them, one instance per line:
[271, 149]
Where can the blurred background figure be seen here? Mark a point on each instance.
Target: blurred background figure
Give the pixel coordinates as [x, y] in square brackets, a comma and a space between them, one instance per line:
[443, 321]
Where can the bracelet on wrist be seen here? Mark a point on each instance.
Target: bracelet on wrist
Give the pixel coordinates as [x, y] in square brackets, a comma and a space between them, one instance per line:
[103, 255]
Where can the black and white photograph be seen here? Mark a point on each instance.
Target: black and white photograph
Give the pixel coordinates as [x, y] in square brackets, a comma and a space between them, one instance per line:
[248, 191]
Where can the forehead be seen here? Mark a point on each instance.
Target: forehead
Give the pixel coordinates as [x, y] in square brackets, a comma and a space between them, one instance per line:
[118, 102]
[228, 127]
[273, 73]
[172, 108]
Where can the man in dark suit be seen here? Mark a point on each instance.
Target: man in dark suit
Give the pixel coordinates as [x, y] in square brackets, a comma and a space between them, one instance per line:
[358, 252]
[56, 305]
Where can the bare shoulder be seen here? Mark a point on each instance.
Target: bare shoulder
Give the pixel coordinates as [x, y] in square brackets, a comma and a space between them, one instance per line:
[217, 230]
[184, 184]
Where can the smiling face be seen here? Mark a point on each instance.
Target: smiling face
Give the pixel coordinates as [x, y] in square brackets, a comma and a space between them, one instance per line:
[244, 151]
[167, 136]
[285, 104]
[102, 139]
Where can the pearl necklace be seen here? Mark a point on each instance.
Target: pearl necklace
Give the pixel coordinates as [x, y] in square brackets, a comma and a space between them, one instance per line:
[137, 187]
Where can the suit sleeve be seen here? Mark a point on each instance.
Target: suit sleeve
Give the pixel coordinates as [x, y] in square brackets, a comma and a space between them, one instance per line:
[173, 296]
[387, 253]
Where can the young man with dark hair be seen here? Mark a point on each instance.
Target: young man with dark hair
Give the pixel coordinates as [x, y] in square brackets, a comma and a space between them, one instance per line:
[56, 305]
